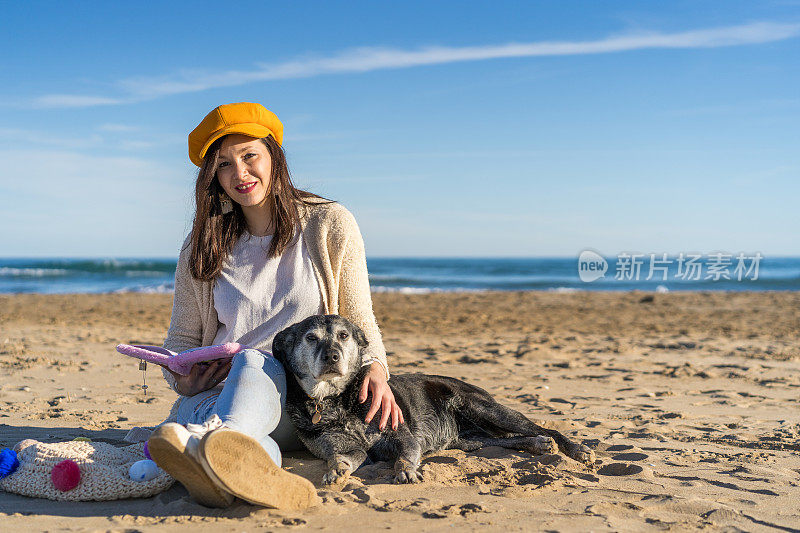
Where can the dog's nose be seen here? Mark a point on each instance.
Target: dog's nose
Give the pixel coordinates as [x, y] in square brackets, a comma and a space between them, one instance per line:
[331, 356]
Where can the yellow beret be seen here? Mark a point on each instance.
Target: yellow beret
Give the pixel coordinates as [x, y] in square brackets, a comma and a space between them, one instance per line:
[245, 118]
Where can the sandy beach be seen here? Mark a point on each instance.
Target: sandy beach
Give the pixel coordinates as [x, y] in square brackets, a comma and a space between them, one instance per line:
[690, 400]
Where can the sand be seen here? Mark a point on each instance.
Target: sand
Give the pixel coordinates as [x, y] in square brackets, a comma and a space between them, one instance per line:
[691, 401]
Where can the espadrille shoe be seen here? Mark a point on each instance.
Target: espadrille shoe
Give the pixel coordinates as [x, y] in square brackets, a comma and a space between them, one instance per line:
[243, 467]
[175, 449]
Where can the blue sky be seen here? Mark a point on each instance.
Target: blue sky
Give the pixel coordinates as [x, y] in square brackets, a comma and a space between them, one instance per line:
[447, 128]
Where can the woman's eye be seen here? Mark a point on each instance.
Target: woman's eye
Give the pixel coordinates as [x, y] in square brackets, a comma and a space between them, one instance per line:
[223, 164]
[249, 155]
[343, 335]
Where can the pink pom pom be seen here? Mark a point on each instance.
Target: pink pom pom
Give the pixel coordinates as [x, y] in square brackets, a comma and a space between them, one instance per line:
[147, 451]
[66, 475]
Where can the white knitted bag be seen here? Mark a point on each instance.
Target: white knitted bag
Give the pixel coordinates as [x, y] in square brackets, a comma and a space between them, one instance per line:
[104, 471]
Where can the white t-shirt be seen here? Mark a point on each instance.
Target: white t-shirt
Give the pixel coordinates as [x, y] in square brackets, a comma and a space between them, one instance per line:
[256, 297]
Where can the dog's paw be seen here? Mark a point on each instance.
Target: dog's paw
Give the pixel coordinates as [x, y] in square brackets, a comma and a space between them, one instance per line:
[542, 444]
[408, 475]
[582, 454]
[340, 468]
[335, 475]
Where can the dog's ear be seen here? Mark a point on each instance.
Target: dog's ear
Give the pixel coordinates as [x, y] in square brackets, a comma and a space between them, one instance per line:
[283, 343]
[358, 335]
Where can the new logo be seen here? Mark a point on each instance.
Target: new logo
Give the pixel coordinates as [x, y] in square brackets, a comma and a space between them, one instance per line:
[591, 266]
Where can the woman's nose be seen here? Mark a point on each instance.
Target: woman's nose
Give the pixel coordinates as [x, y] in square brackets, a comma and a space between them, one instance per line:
[241, 169]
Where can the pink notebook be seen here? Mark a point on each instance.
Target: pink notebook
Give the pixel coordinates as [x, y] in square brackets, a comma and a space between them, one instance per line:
[180, 363]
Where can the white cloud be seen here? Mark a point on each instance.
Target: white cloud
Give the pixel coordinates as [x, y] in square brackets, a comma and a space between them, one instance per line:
[375, 58]
[21, 137]
[61, 175]
[74, 100]
[115, 128]
[136, 145]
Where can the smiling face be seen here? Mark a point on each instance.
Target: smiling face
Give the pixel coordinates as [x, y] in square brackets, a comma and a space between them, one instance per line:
[244, 169]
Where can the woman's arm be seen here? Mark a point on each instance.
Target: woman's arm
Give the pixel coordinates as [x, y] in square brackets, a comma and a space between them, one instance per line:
[355, 297]
[186, 325]
[201, 378]
[355, 304]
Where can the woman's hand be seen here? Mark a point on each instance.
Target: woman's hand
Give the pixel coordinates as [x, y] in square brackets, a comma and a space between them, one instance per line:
[202, 377]
[375, 383]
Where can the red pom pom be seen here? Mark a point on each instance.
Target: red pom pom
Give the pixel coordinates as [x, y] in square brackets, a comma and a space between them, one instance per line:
[66, 475]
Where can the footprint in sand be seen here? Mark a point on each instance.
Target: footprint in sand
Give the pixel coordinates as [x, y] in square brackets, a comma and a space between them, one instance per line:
[470, 360]
[620, 469]
[440, 459]
[562, 400]
[633, 456]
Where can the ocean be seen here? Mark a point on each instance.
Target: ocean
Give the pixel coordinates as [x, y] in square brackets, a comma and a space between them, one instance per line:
[424, 275]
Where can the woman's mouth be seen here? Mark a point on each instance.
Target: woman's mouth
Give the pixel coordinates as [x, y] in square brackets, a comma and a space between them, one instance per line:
[245, 188]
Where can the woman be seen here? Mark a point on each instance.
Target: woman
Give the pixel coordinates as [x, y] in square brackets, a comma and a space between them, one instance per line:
[261, 256]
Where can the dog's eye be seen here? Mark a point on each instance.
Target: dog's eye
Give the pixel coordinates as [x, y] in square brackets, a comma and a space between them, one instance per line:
[343, 335]
[311, 337]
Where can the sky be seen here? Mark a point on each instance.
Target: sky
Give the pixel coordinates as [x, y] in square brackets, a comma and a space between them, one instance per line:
[491, 129]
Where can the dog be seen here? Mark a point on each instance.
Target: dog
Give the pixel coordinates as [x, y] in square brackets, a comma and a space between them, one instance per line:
[323, 357]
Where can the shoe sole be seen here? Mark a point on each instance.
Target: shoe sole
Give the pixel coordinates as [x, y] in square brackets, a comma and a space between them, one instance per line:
[241, 465]
[169, 453]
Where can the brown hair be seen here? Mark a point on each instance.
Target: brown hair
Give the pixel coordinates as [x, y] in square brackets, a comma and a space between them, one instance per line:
[214, 233]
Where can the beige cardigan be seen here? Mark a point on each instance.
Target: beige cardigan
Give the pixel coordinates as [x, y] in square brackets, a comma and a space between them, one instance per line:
[336, 248]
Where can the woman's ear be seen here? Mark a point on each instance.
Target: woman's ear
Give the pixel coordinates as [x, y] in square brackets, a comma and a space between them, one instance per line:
[283, 344]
